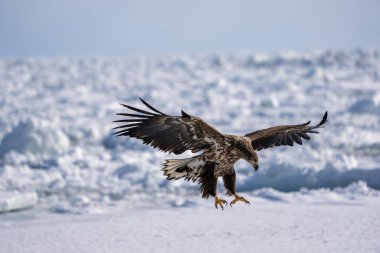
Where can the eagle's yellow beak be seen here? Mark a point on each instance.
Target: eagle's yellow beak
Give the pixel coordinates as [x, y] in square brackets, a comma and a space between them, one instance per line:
[255, 165]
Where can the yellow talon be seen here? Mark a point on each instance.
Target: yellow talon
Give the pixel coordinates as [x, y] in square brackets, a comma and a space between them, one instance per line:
[219, 202]
[238, 198]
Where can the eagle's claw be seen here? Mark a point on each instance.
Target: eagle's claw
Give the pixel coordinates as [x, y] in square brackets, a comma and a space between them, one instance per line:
[220, 202]
[238, 198]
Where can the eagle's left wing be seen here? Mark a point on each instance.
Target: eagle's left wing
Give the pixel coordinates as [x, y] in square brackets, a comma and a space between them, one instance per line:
[283, 135]
[168, 133]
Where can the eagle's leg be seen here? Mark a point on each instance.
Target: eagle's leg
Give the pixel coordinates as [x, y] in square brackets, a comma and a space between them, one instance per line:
[230, 182]
[219, 202]
[213, 192]
[238, 198]
[209, 183]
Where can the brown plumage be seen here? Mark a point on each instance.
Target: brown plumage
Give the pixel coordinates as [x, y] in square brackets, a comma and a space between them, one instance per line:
[177, 134]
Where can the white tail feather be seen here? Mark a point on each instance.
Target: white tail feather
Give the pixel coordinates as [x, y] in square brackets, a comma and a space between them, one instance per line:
[179, 168]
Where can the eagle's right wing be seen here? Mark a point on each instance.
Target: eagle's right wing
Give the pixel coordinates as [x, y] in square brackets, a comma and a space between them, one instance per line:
[283, 135]
[168, 133]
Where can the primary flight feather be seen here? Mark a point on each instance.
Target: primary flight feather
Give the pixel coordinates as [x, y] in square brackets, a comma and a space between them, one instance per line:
[177, 134]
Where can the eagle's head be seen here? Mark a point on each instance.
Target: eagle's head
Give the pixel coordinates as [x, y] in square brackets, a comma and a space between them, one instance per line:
[249, 154]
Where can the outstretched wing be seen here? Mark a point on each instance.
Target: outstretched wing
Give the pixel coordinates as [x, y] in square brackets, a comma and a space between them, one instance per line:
[169, 133]
[283, 135]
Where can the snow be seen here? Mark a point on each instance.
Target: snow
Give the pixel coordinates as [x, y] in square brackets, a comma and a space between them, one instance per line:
[35, 137]
[263, 227]
[91, 188]
[13, 201]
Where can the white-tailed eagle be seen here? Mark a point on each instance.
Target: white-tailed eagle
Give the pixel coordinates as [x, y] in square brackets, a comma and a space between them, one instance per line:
[177, 134]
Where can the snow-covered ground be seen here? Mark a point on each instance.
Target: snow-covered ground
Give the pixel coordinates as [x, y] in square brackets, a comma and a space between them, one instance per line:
[264, 227]
[56, 116]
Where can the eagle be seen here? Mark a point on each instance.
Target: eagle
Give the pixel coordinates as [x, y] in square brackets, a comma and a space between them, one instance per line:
[217, 152]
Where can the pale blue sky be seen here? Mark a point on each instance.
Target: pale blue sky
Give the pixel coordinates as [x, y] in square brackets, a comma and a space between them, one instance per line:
[125, 27]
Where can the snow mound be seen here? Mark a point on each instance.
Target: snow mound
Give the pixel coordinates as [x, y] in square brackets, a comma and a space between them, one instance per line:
[357, 191]
[36, 137]
[13, 201]
[288, 178]
[367, 105]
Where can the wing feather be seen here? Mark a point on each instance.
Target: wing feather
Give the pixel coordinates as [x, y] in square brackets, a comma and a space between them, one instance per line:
[168, 133]
[304, 135]
[284, 135]
[296, 138]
